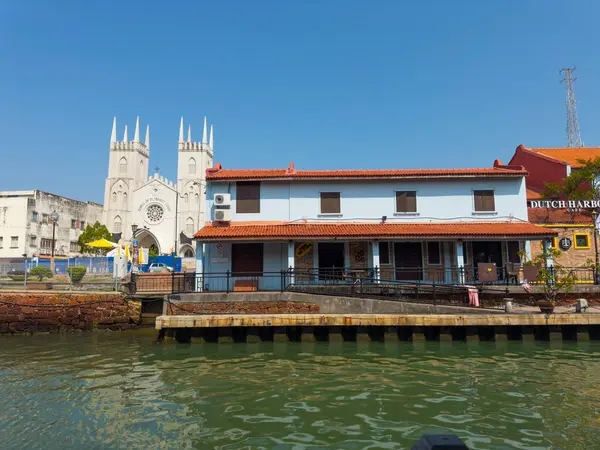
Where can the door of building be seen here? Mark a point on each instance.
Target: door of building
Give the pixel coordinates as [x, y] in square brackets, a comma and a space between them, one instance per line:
[331, 260]
[247, 259]
[408, 261]
[487, 252]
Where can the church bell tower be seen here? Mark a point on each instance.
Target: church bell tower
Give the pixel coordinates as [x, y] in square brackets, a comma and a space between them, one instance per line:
[127, 170]
[192, 161]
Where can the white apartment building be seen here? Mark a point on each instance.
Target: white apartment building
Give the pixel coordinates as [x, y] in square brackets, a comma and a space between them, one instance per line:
[26, 228]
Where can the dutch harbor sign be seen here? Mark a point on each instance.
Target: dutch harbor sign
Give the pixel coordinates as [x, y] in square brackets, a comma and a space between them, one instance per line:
[565, 204]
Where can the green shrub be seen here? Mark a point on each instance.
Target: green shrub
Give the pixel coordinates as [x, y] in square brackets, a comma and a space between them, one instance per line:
[76, 273]
[41, 272]
[16, 275]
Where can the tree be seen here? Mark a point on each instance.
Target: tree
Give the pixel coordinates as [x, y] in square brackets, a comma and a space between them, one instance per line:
[153, 251]
[93, 233]
[555, 279]
[582, 184]
[41, 272]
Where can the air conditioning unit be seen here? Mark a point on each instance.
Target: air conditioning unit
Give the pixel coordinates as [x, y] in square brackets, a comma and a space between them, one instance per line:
[223, 215]
[222, 200]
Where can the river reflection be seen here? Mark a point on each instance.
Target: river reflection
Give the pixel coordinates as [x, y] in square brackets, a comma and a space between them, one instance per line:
[124, 391]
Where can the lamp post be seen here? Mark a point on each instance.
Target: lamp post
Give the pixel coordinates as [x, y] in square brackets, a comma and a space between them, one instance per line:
[54, 218]
[594, 217]
[134, 248]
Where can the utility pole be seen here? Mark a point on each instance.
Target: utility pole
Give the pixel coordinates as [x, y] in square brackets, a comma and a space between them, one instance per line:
[573, 133]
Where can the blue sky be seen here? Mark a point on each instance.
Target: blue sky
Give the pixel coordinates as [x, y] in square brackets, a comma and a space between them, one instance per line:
[326, 84]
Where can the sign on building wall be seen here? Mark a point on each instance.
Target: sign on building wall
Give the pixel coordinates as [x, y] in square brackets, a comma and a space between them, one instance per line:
[220, 254]
[565, 204]
[304, 249]
[565, 243]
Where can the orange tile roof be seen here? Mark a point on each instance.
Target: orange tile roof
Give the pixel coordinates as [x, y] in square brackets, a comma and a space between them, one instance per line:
[568, 155]
[356, 230]
[290, 173]
[549, 216]
[533, 195]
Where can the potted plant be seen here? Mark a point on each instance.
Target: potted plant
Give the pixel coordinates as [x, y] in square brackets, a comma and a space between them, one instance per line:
[40, 273]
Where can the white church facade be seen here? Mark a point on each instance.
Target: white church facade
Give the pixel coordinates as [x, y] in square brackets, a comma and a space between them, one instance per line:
[163, 213]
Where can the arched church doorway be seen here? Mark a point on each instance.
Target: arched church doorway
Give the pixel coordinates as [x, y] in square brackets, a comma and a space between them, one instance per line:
[147, 240]
[186, 251]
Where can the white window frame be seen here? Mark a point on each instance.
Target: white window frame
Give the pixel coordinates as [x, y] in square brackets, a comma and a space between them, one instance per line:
[483, 213]
[407, 214]
[14, 239]
[322, 214]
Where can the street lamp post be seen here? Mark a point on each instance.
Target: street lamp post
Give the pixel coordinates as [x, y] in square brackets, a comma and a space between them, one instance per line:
[54, 218]
[594, 217]
[134, 248]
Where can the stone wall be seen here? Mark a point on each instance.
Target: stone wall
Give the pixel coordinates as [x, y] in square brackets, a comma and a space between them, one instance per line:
[241, 307]
[30, 312]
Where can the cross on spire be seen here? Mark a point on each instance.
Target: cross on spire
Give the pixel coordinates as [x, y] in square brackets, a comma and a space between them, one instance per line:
[157, 169]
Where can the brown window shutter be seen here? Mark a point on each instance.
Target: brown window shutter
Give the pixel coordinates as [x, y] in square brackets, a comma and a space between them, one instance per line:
[406, 201]
[247, 197]
[484, 200]
[330, 203]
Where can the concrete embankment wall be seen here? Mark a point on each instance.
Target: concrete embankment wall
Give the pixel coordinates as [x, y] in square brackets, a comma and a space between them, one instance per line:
[29, 312]
[327, 304]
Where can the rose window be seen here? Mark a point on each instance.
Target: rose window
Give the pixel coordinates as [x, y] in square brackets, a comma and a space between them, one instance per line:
[155, 213]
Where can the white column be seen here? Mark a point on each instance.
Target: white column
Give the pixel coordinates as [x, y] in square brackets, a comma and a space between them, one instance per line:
[375, 256]
[291, 260]
[546, 246]
[447, 262]
[346, 255]
[199, 281]
[528, 250]
[460, 262]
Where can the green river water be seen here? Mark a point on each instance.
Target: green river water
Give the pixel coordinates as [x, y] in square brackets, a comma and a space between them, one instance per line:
[122, 390]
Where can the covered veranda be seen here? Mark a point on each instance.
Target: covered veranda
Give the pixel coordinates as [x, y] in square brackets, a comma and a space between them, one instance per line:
[253, 256]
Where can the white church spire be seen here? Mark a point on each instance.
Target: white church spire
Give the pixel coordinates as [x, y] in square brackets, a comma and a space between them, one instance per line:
[210, 140]
[181, 130]
[125, 135]
[147, 143]
[204, 135]
[136, 134]
[189, 133]
[113, 135]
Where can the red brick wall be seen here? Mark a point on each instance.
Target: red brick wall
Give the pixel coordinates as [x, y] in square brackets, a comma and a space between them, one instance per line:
[43, 312]
[257, 307]
[541, 170]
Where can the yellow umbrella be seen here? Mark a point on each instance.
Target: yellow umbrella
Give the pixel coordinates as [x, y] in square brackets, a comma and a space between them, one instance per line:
[102, 243]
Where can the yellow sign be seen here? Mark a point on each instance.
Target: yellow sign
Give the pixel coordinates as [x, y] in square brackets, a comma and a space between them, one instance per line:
[304, 249]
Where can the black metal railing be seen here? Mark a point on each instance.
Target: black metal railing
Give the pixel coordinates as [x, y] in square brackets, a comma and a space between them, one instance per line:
[395, 279]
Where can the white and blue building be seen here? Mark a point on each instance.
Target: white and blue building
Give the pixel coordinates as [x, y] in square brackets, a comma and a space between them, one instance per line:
[430, 225]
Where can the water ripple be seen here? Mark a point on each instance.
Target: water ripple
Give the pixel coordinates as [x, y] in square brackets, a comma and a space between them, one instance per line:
[124, 391]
